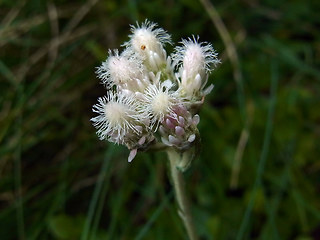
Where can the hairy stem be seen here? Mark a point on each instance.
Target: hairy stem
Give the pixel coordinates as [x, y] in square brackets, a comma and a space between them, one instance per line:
[180, 194]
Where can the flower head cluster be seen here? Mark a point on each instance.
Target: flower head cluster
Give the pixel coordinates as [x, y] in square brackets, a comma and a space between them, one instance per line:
[153, 98]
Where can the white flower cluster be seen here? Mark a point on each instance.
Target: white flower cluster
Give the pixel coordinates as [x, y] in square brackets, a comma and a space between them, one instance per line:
[152, 97]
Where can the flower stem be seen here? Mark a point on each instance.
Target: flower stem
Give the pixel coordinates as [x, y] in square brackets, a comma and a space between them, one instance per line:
[180, 194]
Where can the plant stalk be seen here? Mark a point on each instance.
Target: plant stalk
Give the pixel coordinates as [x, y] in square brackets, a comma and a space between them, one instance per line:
[180, 194]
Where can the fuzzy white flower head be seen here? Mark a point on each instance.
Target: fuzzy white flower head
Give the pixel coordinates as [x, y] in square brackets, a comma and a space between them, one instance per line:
[147, 40]
[124, 71]
[195, 61]
[118, 118]
[158, 101]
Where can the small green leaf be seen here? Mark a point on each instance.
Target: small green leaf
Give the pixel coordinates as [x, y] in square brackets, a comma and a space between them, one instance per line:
[66, 227]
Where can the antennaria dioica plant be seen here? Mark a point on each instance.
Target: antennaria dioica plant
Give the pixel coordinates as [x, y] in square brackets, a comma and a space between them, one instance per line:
[153, 99]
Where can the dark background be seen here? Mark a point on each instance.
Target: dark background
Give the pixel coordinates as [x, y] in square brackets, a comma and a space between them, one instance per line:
[58, 181]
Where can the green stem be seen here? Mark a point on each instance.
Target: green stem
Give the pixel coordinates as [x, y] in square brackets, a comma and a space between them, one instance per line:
[180, 193]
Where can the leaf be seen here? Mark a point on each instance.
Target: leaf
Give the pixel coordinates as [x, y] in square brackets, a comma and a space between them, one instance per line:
[66, 227]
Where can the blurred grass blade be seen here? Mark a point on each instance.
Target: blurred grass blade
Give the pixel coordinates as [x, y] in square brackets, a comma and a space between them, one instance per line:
[154, 216]
[17, 167]
[101, 204]
[97, 193]
[6, 72]
[265, 149]
[231, 52]
[288, 56]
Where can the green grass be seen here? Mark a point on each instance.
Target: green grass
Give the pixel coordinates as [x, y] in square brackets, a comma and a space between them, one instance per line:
[58, 181]
[264, 152]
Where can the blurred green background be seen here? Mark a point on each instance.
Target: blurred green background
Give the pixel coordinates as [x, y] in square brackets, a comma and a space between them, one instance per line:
[258, 176]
